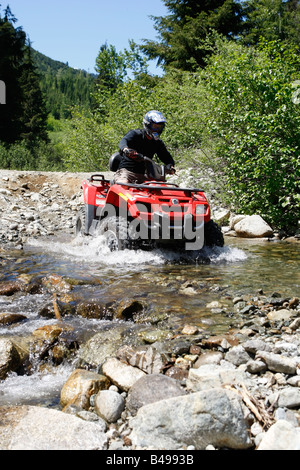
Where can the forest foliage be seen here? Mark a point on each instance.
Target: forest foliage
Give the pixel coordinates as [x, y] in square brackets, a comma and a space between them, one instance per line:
[230, 91]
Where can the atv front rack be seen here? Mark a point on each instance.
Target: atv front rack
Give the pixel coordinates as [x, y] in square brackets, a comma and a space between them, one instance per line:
[167, 186]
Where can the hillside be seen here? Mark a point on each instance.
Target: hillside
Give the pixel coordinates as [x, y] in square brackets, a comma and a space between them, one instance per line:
[63, 86]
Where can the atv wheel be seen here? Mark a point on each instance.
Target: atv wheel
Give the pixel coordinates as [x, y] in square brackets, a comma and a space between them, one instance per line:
[213, 235]
[80, 223]
[115, 232]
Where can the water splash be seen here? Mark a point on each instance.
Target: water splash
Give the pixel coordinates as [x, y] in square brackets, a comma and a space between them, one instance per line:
[34, 389]
[94, 250]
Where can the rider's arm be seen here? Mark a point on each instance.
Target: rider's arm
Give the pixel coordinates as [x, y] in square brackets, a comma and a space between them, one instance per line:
[164, 155]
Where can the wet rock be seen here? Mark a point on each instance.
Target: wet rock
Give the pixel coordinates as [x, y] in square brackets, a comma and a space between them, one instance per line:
[64, 309]
[120, 374]
[80, 386]
[109, 405]
[10, 287]
[7, 318]
[50, 332]
[93, 309]
[129, 309]
[106, 343]
[56, 284]
[216, 414]
[152, 335]
[150, 389]
[38, 428]
[9, 358]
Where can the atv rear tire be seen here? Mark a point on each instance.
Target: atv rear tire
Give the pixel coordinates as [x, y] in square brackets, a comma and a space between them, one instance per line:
[115, 232]
[213, 235]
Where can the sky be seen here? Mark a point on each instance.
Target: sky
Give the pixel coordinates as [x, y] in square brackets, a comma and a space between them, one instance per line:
[73, 30]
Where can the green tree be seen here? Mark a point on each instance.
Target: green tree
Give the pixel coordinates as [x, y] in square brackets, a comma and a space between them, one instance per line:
[110, 67]
[23, 116]
[12, 47]
[272, 20]
[182, 33]
[34, 115]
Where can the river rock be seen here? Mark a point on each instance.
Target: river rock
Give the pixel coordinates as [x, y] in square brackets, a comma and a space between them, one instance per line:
[152, 388]
[146, 358]
[9, 358]
[8, 318]
[212, 417]
[237, 355]
[214, 375]
[281, 436]
[279, 315]
[109, 405]
[80, 386]
[38, 428]
[253, 226]
[121, 375]
[279, 363]
[106, 343]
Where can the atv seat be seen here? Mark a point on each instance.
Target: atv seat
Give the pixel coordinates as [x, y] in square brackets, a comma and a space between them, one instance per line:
[114, 161]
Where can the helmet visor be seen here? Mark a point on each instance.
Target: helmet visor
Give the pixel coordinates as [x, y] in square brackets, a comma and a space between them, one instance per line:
[157, 127]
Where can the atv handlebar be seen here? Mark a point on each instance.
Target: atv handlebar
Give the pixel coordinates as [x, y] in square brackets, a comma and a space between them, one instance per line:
[169, 169]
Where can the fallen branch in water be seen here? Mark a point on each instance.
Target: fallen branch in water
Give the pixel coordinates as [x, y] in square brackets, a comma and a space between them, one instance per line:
[56, 309]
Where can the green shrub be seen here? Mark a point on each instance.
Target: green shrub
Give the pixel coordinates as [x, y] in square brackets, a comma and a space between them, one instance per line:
[255, 123]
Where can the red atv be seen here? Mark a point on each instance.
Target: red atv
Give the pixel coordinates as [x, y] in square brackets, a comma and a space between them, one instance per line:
[155, 213]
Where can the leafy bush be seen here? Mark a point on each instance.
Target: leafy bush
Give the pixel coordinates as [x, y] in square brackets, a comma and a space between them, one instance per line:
[256, 126]
[42, 156]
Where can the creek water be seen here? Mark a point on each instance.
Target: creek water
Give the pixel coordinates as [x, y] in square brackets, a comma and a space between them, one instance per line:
[178, 286]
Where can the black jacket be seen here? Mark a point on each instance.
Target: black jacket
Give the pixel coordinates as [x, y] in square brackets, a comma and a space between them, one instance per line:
[138, 140]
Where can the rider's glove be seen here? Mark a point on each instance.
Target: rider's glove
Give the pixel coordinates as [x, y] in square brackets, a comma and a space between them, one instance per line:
[132, 154]
[170, 169]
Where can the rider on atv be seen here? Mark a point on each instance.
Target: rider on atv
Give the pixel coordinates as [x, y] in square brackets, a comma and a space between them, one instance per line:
[145, 142]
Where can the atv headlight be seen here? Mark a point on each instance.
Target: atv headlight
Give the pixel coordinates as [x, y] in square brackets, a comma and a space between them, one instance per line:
[200, 209]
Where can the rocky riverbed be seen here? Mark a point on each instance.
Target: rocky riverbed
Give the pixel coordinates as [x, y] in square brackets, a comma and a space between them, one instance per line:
[143, 382]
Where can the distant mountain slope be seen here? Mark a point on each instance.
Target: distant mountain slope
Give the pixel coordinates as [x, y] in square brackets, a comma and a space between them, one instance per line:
[63, 86]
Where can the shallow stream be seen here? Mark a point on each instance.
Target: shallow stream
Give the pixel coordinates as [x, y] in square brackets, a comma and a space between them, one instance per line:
[179, 287]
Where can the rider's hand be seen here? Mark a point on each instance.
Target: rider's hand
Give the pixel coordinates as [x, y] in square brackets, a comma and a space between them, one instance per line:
[171, 170]
[132, 154]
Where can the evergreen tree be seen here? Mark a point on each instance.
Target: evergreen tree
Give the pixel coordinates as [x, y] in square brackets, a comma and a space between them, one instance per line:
[34, 116]
[272, 20]
[183, 33]
[110, 67]
[23, 116]
[12, 45]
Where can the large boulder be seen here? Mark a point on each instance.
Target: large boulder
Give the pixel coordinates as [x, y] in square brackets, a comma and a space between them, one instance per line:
[38, 428]
[253, 226]
[211, 417]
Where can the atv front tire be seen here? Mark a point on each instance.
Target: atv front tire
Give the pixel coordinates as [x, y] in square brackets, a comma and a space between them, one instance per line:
[213, 235]
[115, 232]
[80, 223]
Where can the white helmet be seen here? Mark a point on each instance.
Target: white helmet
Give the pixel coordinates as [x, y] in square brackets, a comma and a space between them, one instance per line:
[154, 123]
